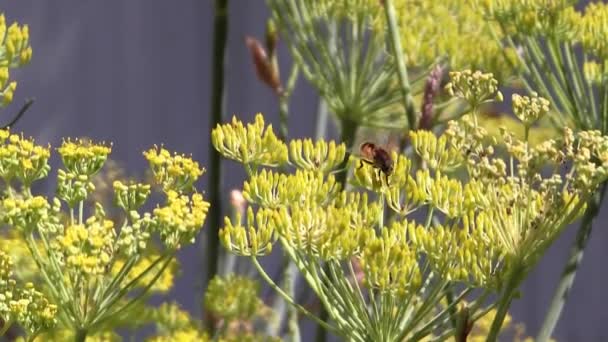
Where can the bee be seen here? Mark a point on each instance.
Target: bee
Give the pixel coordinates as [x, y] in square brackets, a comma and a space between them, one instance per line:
[377, 157]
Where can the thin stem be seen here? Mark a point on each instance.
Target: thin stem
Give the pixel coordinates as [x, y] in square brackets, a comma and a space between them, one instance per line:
[398, 53]
[28, 103]
[569, 273]
[220, 38]
[288, 299]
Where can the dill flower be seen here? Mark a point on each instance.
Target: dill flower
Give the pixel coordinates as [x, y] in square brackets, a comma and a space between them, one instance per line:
[390, 263]
[255, 239]
[473, 87]
[15, 51]
[232, 297]
[253, 144]
[529, 109]
[180, 220]
[22, 159]
[454, 29]
[174, 172]
[26, 305]
[130, 197]
[87, 248]
[82, 157]
[594, 29]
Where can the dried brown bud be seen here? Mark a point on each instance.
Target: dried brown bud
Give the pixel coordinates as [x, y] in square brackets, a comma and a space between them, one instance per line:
[266, 71]
[431, 89]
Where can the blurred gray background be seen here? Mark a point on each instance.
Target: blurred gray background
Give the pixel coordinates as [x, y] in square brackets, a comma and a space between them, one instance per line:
[137, 73]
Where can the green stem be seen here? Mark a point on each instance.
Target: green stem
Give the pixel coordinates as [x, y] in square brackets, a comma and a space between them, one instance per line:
[80, 335]
[288, 299]
[347, 136]
[220, 38]
[569, 273]
[398, 53]
[515, 277]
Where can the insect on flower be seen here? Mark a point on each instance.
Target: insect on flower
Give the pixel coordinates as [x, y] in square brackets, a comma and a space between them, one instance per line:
[377, 157]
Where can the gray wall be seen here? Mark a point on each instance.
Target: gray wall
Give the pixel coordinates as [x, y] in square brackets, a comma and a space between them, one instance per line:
[137, 73]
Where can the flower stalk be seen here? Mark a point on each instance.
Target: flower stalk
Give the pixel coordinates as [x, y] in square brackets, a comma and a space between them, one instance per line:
[220, 38]
[560, 296]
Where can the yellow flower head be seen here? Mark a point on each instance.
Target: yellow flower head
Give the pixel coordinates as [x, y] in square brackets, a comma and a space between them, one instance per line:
[83, 157]
[174, 172]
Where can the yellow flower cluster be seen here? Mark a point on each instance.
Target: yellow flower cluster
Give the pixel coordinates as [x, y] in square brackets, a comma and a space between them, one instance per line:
[26, 305]
[130, 197]
[318, 156]
[89, 266]
[473, 87]
[15, 51]
[496, 221]
[22, 159]
[430, 29]
[25, 214]
[255, 239]
[594, 30]
[529, 109]
[87, 249]
[82, 157]
[232, 297]
[553, 18]
[333, 232]
[173, 172]
[254, 144]
[390, 262]
[180, 220]
[272, 190]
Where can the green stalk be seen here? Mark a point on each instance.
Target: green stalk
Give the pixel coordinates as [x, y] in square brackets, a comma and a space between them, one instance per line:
[80, 335]
[287, 298]
[398, 53]
[569, 273]
[515, 278]
[220, 37]
[347, 136]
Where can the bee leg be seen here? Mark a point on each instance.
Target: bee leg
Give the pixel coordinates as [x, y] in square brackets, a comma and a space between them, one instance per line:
[360, 164]
[387, 184]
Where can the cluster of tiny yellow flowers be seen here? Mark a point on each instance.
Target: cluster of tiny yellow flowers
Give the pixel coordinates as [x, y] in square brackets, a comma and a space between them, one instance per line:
[390, 262]
[529, 109]
[318, 156]
[15, 51]
[89, 266]
[232, 297]
[26, 305]
[473, 87]
[430, 29]
[130, 196]
[502, 217]
[180, 220]
[83, 157]
[594, 29]
[254, 144]
[88, 248]
[173, 171]
[557, 19]
[21, 159]
[25, 214]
